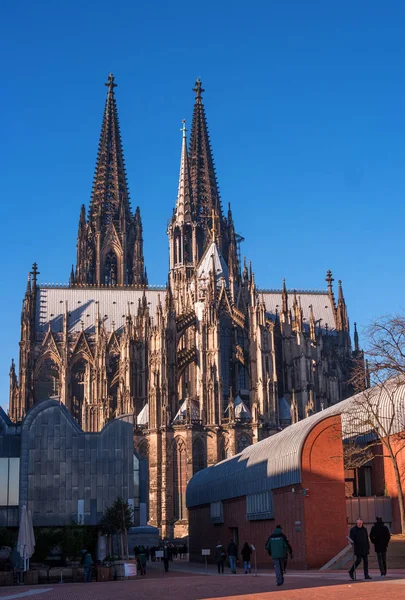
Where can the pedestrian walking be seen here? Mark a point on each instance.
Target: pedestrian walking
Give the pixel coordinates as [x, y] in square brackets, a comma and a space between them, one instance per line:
[166, 557]
[278, 547]
[380, 536]
[246, 553]
[220, 556]
[232, 555]
[141, 560]
[361, 545]
[87, 563]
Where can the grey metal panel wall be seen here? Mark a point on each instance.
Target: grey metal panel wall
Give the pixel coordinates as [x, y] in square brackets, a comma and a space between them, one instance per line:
[60, 464]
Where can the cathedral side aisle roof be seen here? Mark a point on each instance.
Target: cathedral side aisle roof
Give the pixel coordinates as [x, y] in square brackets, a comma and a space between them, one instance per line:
[113, 302]
[82, 306]
[320, 302]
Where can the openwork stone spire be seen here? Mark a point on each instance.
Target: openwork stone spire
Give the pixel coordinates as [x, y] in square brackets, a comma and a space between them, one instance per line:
[203, 178]
[184, 202]
[109, 243]
[110, 191]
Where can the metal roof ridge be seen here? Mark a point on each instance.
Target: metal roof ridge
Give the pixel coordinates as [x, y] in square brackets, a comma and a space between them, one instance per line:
[291, 291]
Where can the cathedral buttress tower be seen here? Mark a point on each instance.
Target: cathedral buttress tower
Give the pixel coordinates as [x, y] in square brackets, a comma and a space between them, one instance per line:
[110, 245]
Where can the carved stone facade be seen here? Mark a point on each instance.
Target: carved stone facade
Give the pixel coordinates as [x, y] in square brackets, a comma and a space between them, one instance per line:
[203, 367]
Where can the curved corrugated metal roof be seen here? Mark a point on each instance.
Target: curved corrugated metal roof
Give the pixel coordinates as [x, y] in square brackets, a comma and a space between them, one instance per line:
[276, 461]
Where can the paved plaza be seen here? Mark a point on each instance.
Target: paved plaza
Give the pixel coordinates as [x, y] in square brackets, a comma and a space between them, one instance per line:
[188, 582]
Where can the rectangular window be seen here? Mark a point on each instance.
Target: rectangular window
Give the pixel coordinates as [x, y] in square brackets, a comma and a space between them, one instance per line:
[9, 481]
[217, 512]
[80, 512]
[259, 506]
[136, 482]
[3, 481]
[13, 481]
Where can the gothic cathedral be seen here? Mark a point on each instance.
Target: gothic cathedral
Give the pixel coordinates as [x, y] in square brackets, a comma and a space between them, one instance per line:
[204, 366]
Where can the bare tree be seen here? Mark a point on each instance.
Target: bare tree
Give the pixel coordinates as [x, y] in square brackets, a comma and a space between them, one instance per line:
[376, 415]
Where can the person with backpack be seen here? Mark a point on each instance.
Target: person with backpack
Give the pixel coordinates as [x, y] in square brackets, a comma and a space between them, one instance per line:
[380, 536]
[278, 547]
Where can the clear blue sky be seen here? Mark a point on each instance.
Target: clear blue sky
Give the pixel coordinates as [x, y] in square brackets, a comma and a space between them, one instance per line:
[306, 110]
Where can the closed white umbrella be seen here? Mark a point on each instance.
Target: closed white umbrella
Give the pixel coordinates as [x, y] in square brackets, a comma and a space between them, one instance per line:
[26, 541]
[31, 546]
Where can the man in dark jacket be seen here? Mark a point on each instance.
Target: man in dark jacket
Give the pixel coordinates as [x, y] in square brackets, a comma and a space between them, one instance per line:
[233, 555]
[359, 537]
[380, 536]
[277, 547]
[220, 556]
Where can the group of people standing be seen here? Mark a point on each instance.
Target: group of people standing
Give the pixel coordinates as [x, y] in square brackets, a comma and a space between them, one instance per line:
[277, 546]
[232, 554]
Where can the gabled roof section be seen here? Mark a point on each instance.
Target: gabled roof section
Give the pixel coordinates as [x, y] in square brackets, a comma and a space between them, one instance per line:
[181, 413]
[110, 190]
[241, 409]
[143, 417]
[203, 177]
[82, 346]
[205, 266]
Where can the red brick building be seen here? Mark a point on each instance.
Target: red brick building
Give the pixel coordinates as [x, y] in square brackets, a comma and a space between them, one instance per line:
[297, 478]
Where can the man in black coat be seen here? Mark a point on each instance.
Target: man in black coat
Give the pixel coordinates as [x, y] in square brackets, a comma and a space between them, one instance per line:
[380, 537]
[232, 555]
[359, 537]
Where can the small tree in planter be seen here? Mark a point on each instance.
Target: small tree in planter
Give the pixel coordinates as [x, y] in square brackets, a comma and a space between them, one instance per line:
[117, 519]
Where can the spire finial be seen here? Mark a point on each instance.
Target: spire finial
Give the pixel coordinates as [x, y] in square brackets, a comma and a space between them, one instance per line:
[356, 338]
[110, 83]
[198, 89]
[34, 274]
[184, 129]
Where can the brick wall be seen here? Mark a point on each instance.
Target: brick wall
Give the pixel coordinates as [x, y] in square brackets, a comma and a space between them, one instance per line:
[325, 504]
[390, 483]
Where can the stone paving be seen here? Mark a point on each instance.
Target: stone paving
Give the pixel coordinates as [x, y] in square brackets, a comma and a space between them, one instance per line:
[188, 582]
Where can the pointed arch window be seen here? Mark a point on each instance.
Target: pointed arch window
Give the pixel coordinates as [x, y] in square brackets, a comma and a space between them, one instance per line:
[110, 268]
[199, 455]
[47, 384]
[78, 380]
[179, 479]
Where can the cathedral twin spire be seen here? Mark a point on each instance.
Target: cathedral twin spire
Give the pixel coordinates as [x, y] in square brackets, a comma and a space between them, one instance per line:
[110, 244]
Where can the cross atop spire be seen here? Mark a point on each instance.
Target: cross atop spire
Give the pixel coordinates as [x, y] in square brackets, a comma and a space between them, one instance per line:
[110, 83]
[34, 274]
[198, 89]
